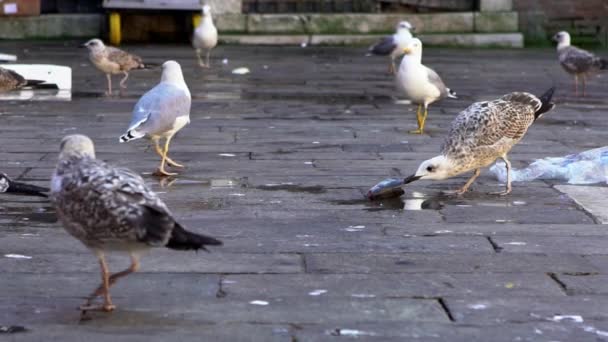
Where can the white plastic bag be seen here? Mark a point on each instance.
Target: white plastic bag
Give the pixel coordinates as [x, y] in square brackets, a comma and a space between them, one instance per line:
[582, 168]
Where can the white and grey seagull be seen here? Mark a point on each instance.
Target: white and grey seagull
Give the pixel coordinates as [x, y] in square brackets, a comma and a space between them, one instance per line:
[205, 37]
[113, 61]
[576, 61]
[482, 133]
[419, 83]
[111, 209]
[393, 45]
[162, 112]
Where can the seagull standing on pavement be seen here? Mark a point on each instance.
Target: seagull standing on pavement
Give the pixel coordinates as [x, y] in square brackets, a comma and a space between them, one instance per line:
[113, 61]
[575, 61]
[419, 83]
[393, 45]
[162, 112]
[111, 209]
[205, 37]
[482, 133]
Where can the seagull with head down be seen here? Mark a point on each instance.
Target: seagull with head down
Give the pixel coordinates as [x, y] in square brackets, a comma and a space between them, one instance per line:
[482, 133]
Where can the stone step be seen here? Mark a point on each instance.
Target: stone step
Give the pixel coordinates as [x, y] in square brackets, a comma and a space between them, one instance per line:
[511, 40]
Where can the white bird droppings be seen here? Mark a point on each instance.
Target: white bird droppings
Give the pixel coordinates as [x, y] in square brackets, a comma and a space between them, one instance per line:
[317, 292]
[354, 228]
[227, 155]
[17, 256]
[241, 71]
[516, 243]
[477, 306]
[258, 302]
[572, 318]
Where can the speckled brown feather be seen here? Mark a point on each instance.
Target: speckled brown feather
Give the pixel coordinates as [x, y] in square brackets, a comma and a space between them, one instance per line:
[488, 130]
[10, 80]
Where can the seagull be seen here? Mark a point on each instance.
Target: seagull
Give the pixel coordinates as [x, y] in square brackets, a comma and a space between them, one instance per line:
[205, 36]
[419, 83]
[481, 134]
[11, 80]
[161, 112]
[577, 61]
[393, 46]
[10, 186]
[112, 209]
[113, 61]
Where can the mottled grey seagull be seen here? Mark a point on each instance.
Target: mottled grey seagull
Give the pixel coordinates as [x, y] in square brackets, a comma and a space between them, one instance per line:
[113, 61]
[111, 209]
[575, 61]
[205, 37]
[419, 83]
[161, 112]
[10, 80]
[10, 186]
[393, 45]
[482, 133]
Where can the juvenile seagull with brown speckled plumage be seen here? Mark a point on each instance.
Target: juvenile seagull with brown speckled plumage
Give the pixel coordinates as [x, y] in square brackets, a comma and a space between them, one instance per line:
[112, 209]
[481, 134]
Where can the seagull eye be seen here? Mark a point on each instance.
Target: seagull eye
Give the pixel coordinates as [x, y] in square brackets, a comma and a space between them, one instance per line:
[430, 168]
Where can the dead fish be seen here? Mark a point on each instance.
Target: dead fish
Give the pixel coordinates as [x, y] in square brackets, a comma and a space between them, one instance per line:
[390, 187]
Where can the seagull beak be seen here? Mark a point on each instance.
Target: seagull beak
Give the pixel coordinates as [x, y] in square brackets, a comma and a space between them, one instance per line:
[407, 51]
[411, 179]
[82, 45]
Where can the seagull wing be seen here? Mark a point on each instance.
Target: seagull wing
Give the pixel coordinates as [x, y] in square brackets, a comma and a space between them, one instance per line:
[157, 109]
[485, 124]
[384, 47]
[126, 60]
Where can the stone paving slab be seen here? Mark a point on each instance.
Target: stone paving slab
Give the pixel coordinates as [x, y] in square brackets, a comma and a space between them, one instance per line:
[278, 163]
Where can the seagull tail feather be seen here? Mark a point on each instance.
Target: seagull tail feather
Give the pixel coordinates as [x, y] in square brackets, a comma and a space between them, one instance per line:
[31, 83]
[603, 64]
[547, 105]
[130, 135]
[184, 240]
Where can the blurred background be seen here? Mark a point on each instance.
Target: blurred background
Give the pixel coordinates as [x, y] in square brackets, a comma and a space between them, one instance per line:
[507, 23]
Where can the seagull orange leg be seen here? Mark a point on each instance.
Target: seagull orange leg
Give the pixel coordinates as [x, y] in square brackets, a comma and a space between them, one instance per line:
[122, 82]
[419, 119]
[114, 277]
[466, 185]
[170, 161]
[104, 289]
[508, 186]
[584, 84]
[423, 119]
[161, 169]
[109, 78]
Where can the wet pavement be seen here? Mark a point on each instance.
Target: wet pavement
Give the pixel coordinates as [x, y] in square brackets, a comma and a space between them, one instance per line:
[278, 164]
